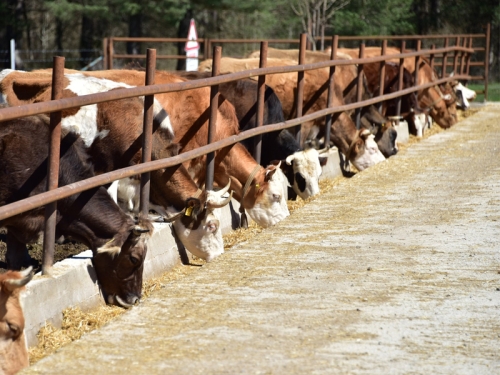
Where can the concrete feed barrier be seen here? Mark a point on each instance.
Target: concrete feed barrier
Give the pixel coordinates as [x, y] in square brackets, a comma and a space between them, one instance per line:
[74, 282]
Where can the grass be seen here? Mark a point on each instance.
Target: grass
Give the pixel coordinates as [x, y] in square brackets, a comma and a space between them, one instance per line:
[493, 91]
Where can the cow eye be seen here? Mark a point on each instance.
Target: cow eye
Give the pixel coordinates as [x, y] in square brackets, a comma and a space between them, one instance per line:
[134, 260]
[14, 329]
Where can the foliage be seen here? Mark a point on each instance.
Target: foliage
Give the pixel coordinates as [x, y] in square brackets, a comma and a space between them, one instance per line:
[47, 25]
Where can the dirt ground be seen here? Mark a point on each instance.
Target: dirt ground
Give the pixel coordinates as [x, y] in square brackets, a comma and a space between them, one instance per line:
[393, 271]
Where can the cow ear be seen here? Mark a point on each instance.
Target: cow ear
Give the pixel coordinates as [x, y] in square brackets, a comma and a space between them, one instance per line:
[270, 171]
[323, 160]
[289, 159]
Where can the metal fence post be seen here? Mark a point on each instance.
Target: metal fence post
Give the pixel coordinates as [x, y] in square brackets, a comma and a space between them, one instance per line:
[300, 86]
[53, 168]
[381, 87]
[331, 90]
[467, 60]
[417, 63]
[400, 79]
[445, 59]
[214, 106]
[455, 57]
[261, 92]
[359, 85]
[463, 55]
[147, 132]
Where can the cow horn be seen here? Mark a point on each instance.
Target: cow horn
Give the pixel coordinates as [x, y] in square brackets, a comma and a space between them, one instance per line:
[214, 198]
[122, 303]
[220, 203]
[26, 276]
[224, 190]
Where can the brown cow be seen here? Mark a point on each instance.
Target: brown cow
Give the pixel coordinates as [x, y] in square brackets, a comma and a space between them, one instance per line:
[410, 110]
[112, 131]
[440, 103]
[13, 352]
[301, 167]
[346, 80]
[264, 195]
[359, 147]
[91, 217]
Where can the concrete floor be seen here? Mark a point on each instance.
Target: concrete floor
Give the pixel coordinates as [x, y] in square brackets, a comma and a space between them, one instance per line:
[396, 270]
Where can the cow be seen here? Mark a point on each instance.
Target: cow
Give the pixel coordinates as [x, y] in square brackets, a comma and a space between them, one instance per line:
[259, 190]
[13, 352]
[301, 167]
[117, 241]
[346, 79]
[439, 101]
[409, 110]
[359, 147]
[113, 133]
[464, 94]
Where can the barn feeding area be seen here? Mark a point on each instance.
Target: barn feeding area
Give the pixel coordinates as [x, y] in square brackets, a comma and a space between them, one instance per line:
[118, 255]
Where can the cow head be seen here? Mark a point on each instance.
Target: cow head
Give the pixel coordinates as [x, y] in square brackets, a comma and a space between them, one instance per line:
[198, 226]
[306, 168]
[119, 263]
[464, 94]
[267, 192]
[384, 133]
[363, 151]
[13, 351]
[440, 102]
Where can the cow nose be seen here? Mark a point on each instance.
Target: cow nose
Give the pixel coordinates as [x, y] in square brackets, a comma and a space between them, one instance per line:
[133, 299]
[276, 197]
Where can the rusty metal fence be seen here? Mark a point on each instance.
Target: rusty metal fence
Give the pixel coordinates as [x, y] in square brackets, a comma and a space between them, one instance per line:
[479, 64]
[462, 55]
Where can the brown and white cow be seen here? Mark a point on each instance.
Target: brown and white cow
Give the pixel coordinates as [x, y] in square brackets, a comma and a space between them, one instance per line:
[113, 133]
[301, 167]
[13, 348]
[117, 241]
[346, 79]
[359, 147]
[264, 195]
[439, 101]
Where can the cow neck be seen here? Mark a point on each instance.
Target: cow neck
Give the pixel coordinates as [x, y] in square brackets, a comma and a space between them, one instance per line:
[344, 134]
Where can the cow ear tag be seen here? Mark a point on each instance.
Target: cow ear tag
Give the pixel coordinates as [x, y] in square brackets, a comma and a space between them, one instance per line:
[257, 186]
[189, 211]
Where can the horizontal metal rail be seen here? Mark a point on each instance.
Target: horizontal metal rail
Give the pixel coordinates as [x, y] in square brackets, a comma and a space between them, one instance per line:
[67, 103]
[77, 187]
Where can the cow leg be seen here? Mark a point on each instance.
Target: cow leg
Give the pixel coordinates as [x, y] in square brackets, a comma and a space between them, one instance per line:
[17, 255]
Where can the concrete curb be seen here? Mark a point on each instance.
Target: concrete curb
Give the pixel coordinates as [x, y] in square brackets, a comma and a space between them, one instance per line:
[74, 282]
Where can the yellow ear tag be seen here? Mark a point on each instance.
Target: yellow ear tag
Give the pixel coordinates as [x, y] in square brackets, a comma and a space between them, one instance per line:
[189, 211]
[257, 186]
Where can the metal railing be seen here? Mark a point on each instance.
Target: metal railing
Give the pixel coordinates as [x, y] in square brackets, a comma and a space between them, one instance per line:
[55, 107]
[480, 43]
